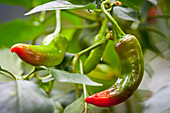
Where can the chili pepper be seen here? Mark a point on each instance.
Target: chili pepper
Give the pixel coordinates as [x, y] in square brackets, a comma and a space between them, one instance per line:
[130, 55]
[50, 53]
[96, 54]
[132, 68]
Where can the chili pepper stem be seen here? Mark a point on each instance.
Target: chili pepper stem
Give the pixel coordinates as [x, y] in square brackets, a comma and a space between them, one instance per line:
[76, 57]
[117, 29]
[29, 74]
[34, 70]
[84, 86]
[58, 23]
[42, 16]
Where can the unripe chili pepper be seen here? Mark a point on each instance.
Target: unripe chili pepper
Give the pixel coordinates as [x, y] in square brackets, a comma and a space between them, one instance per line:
[96, 54]
[132, 68]
[51, 53]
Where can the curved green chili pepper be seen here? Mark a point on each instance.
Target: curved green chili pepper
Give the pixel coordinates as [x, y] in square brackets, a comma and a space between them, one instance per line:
[132, 68]
[51, 53]
[96, 54]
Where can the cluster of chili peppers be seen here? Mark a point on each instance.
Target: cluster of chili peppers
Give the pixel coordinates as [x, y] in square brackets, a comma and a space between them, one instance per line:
[127, 48]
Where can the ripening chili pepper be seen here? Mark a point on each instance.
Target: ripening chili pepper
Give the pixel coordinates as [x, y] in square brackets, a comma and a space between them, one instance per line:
[96, 54]
[130, 55]
[132, 67]
[50, 53]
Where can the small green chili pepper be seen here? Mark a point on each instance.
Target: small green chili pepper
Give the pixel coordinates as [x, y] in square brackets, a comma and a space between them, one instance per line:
[132, 68]
[50, 53]
[96, 54]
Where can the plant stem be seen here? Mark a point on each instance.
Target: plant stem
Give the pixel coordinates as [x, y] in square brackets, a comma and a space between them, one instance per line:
[112, 20]
[42, 78]
[76, 57]
[8, 73]
[29, 74]
[35, 70]
[84, 86]
[52, 84]
[128, 106]
[42, 16]
[77, 90]
[81, 15]
[58, 23]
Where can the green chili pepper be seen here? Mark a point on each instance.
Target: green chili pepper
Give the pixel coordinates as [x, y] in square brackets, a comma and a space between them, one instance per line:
[130, 55]
[50, 53]
[132, 68]
[96, 54]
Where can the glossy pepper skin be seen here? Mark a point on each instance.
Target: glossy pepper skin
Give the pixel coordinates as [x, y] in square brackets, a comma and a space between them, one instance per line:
[132, 68]
[48, 54]
[96, 54]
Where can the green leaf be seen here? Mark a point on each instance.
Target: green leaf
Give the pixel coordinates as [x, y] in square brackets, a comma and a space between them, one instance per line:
[10, 62]
[164, 5]
[80, 2]
[25, 3]
[159, 102]
[64, 76]
[68, 98]
[60, 4]
[149, 70]
[147, 42]
[74, 46]
[58, 107]
[87, 40]
[134, 4]
[154, 2]
[126, 13]
[23, 97]
[18, 31]
[144, 11]
[142, 95]
[78, 106]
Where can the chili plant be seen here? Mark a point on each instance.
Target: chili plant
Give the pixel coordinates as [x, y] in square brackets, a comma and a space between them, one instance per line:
[77, 56]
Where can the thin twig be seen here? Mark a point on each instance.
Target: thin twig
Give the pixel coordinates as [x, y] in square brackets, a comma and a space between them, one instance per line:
[84, 86]
[3, 70]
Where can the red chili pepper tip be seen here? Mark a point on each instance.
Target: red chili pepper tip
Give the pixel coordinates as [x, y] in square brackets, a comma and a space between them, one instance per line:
[23, 51]
[101, 99]
[17, 48]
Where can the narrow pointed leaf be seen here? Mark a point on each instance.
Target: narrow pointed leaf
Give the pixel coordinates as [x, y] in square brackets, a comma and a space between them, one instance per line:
[126, 13]
[59, 4]
[64, 76]
[78, 106]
